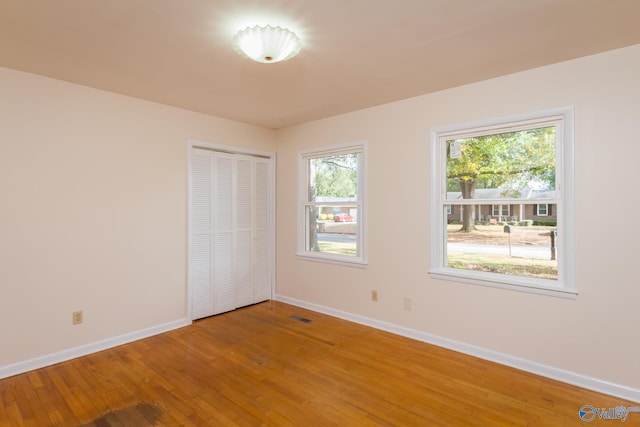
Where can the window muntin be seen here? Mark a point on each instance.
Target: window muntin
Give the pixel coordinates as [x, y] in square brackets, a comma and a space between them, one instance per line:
[331, 204]
[499, 173]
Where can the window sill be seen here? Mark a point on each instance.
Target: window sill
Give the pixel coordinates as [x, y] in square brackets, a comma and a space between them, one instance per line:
[555, 291]
[338, 260]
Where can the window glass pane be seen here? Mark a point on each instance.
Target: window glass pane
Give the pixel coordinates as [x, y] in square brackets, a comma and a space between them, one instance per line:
[522, 247]
[512, 165]
[332, 229]
[333, 178]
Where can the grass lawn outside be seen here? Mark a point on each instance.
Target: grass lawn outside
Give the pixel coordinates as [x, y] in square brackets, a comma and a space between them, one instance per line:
[538, 268]
[503, 264]
[337, 248]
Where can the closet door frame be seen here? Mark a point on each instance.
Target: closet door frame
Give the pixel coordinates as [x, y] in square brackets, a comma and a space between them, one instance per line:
[271, 157]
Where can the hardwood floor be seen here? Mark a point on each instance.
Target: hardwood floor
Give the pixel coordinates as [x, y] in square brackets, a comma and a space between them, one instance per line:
[257, 366]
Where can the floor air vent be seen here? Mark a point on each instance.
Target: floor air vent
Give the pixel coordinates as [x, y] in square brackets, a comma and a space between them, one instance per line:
[301, 319]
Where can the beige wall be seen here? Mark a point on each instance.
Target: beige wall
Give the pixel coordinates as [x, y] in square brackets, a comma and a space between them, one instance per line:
[93, 217]
[93, 196]
[595, 335]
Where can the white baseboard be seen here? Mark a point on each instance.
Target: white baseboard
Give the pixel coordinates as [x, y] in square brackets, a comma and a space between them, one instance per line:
[83, 350]
[565, 376]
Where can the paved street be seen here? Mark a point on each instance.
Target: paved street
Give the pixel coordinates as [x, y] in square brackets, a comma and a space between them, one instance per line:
[539, 252]
[335, 237]
[522, 251]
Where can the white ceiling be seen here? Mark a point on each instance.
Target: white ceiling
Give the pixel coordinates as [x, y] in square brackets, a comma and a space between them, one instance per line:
[356, 53]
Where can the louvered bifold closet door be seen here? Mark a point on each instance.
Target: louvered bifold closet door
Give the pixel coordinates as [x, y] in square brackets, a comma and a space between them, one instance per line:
[201, 257]
[230, 231]
[244, 232]
[223, 220]
[262, 221]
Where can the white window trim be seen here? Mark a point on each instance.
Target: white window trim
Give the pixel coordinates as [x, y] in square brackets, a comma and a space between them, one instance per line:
[565, 286]
[546, 209]
[301, 252]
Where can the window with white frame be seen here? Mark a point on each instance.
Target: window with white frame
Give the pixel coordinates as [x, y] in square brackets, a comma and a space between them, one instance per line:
[331, 210]
[542, 209]
[507, 164]
[500, 210]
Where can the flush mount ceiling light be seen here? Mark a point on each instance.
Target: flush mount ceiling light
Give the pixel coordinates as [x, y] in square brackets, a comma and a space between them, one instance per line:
[267, 44]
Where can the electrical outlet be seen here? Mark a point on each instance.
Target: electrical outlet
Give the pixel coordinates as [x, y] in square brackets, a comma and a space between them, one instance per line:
[76, 317]
[374, 295]
[407, 304]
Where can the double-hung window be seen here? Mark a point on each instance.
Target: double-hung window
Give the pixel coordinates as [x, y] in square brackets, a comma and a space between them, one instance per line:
[515, 169]
[331, 204]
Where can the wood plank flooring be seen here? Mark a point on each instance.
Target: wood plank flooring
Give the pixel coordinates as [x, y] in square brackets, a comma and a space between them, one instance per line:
[258, 366]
